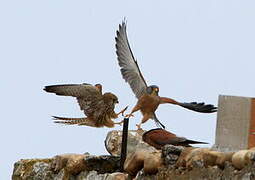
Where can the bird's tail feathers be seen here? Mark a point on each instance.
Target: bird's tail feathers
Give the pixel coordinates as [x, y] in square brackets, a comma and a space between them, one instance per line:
[194, 142]
[157, 122]
[199, 107]
[74, 121]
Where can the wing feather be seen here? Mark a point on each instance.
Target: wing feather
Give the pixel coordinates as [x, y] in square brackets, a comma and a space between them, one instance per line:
[75, 90]
[129, 67]
[88, 96]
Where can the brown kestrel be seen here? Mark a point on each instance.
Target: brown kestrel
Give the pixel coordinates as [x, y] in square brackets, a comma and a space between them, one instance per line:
[98, 107]
[148, 98]
[158, 138]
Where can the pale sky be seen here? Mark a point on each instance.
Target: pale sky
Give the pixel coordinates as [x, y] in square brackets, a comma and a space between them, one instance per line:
[193, 50]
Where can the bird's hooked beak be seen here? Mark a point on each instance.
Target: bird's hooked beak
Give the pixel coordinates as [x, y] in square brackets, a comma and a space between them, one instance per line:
[155, 91]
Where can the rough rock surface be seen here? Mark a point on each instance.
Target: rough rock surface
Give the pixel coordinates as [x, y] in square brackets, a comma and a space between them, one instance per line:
[69, 167]
[39, 169]
[173, 162]
[134, 143]
[33, 169]
[170, 154]
[209, 173]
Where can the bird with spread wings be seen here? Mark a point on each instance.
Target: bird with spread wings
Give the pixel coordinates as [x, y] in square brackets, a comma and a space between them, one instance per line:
[98, 107]
[148, 98]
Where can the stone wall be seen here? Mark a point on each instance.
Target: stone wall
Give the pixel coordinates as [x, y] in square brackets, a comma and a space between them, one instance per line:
[143, 162]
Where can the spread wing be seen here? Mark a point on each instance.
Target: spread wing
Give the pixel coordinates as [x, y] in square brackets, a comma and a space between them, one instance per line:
[128, 65]
[88, 96]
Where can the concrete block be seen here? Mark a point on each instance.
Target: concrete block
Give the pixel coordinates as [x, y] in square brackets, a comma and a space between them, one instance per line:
[235, 123]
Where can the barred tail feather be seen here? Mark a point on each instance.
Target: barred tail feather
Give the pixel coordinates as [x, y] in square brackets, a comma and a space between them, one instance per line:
[74, 121]
[199, 107]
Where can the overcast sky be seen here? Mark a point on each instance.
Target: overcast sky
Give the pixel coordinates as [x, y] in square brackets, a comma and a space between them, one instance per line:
[193, 50]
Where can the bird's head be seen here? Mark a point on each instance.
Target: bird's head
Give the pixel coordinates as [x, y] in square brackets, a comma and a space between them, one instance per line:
[153, 90]
[110, 98]
[99, 87]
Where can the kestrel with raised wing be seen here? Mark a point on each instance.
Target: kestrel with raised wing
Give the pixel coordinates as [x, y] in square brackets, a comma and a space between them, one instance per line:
[148, 97]
[98, 107]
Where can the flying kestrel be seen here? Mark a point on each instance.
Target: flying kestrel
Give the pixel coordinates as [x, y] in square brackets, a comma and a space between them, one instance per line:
[158, 138]
[98, 107]
[148, 98]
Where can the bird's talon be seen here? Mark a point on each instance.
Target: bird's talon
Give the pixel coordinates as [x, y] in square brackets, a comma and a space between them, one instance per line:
[129, 115]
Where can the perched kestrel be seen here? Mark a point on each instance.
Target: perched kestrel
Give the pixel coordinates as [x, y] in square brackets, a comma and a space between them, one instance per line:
[158, 138]
[98, 107]
[148, 98]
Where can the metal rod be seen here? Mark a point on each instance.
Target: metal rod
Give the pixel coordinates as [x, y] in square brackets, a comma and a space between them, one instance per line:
[123, 154]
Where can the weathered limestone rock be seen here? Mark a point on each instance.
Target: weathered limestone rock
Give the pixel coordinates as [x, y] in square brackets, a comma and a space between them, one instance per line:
[135, 142]
[63, 167]
[203, 157]
[195, 159]
[224, 158]
[73, 163]
[102, 164]
[39, 169]
[94, 175]
[143, 162]
[33, 169]
[243, 158]
[117, 176]
[134, 162]
[141, 175]
[148, 161]
[152, 163]
[170, 154]
[210, 173]
[181, 162]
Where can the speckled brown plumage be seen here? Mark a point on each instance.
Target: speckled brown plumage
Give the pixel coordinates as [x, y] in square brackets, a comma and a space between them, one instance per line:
[98, 107]
[148, 98]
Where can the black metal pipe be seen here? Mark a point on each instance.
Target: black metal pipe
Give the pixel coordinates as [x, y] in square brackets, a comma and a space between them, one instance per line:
[123, 154]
